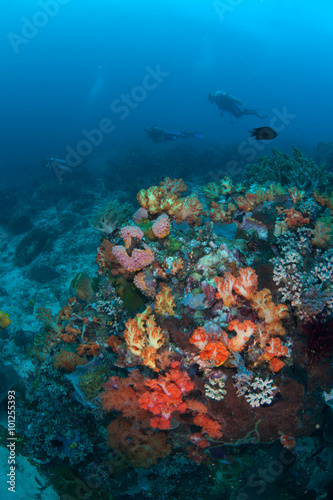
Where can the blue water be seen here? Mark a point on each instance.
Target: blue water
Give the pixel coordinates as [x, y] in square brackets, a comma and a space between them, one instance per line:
[64, 63]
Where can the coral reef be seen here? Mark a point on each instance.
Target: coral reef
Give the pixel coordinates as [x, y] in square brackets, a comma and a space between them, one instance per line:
[207, 330]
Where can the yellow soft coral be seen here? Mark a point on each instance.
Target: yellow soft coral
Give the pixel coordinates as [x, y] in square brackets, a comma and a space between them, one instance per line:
[162, 198]
[143, 337]
[165, 302]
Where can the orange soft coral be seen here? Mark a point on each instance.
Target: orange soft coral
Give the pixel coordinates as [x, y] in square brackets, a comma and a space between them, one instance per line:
[217, 213]
[267, 310]
[224, 289]
[67, 360]
[200, 338]
[294, 218]
[177, 265]
[324, 200]
[322, 232]
[134, 336]
[246, 283]
[210, 349]
[275, 349]
[89, 349]
[155, 337]
[122, 394]
[244, 331]
[296, 195]
[247, 202]
[276, 364]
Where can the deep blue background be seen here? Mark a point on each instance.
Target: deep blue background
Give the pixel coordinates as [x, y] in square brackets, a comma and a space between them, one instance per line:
[270, 53]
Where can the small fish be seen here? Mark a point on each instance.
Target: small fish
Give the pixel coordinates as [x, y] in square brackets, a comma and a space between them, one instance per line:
[263, 133]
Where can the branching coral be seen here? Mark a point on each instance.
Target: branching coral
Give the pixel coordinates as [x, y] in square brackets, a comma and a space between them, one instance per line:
[297, 171]
[304, 282]
[260, 392]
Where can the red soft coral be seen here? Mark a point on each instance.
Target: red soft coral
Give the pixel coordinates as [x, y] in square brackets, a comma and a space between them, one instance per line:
[216, 352]
[209, 425]
[164, 395]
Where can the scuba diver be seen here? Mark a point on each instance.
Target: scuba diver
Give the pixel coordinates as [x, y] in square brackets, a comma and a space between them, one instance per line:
[227, 102]
[157, 134]
[59, 167]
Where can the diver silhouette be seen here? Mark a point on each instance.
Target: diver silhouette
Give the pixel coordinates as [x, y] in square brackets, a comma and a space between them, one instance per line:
[227, 102]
